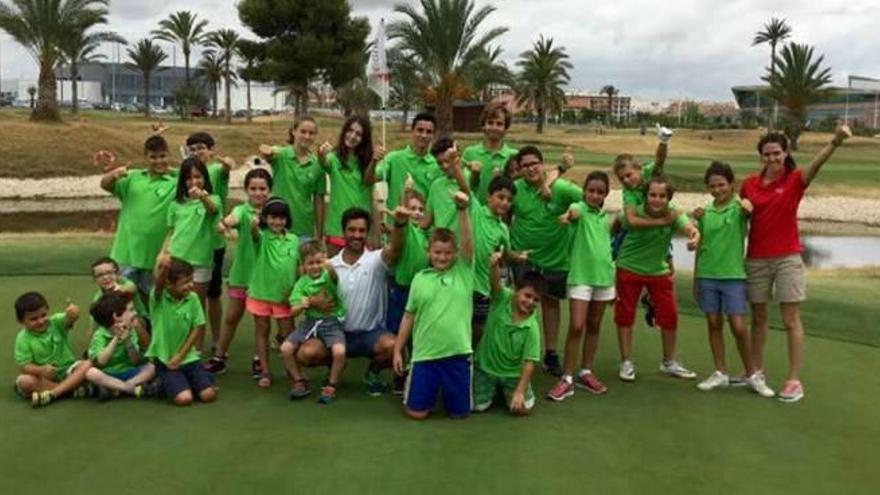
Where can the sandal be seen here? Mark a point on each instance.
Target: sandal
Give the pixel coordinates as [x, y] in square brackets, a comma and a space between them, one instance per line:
[265, 380]
[299, 389]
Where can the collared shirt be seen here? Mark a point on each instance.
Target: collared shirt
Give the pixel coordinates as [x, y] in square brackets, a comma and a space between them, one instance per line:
[362, 287]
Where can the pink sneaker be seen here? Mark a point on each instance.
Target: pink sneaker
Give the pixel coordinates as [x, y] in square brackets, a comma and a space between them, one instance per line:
[592, 384]
[561, 391]
[792, 391]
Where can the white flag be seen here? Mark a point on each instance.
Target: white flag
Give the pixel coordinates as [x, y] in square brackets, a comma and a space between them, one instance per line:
[379, 78]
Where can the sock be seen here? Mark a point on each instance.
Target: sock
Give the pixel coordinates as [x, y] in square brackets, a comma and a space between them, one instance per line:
[567, 379]
[584, 371]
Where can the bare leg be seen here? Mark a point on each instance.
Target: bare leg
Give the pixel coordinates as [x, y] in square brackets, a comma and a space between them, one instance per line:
[288, 354]
[143, 336]
[595, 313]
[383, 351]
[791, 318]
[234, 314]
[715, 322]
[338, 352]
[73, 380]
[215, 317]
[669, 337]
[98, 377]
[261, 330]
[759, 335]
[313, 353]
[741, 334]
[201, 290]
[550, 319]
[577, 324]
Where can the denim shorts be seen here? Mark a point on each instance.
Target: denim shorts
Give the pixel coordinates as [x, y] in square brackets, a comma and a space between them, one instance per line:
[722, 296]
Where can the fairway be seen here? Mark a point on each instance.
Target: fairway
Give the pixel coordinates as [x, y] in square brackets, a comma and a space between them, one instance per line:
[658, 435]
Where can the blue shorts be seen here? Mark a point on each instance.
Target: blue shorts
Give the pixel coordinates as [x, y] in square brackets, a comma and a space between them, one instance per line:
[452, 376]
[362, 344]
[397, 296]
[128, 374]
[189, 376]
[722, 296]
[141, 277]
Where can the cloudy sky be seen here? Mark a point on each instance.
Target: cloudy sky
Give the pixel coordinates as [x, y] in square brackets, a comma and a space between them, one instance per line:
[648, 48]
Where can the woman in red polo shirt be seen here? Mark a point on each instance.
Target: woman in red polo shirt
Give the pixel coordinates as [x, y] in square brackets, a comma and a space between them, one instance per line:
[774, 249]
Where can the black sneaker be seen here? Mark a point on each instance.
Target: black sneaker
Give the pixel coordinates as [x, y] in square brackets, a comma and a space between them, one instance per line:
[151, 389]
[650, 312]
[105, 394]
[551, 364]
[256, 369]
[398, 385]
[216, 365]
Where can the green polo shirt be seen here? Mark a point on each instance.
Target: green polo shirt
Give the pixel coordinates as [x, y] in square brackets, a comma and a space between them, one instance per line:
[119, 361]
[440, 202]
[414, 257]
[591, 262]
[139, 306]
[275, 267]
[490, 234]
[306, 286]
[635, 196]
[492, 162]
[220, 184]
[173, 320]
[245, 251]
[347, 190]
[505, 344]
[536, 226]
[397, 164]
[141, 226]
[51, 346]
[298, 183]
[644, 251]
[193, 236]
[442, 305]
[722, 241]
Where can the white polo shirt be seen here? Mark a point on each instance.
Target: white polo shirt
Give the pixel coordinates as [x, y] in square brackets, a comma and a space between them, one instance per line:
[362, 287]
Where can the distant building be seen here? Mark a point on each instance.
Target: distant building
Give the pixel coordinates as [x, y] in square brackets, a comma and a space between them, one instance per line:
[576, 101]
[861, 105]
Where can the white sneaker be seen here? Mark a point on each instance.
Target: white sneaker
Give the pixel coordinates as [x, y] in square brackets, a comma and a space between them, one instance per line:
[676, 369]
[759, 385]
[627, 371]
[715, 380]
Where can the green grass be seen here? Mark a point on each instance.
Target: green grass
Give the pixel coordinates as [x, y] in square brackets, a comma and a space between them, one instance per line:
[655, 436]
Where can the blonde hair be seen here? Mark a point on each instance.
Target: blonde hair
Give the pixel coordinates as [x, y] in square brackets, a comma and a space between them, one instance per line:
[625, 160]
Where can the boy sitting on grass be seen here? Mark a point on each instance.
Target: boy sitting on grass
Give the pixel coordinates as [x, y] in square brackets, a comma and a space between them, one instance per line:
[48, 367]
[119, 366]
[438, 315]
[178, 322]
[510, 349]
[317, 278]
[107, 276]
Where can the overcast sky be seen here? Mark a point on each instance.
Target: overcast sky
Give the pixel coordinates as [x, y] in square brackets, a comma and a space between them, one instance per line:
[647, 48]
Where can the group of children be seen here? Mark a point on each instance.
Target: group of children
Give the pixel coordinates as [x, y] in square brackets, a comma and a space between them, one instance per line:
[471, 222]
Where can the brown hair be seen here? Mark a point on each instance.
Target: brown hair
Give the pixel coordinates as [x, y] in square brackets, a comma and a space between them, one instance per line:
[310, 248]
[664, 180]
[298, 121]
[442, 235]
[493, 110]
[625, 160]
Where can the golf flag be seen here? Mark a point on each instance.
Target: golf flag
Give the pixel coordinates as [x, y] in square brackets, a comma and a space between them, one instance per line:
[379, 78]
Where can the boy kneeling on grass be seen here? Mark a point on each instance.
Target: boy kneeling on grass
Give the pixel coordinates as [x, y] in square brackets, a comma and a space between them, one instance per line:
[178, 323]
[438, 315]
[510, 349]
[118, 364]
[48, 367]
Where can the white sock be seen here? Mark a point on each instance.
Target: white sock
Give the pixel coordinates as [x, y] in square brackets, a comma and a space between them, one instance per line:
[567, 378]
[584, 371]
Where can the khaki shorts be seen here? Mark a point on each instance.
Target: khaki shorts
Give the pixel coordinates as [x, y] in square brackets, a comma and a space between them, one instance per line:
[786, 273]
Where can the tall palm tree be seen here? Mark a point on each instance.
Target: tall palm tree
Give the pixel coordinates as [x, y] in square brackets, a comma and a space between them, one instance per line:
[405, 91]
[543, 73]
[252, 55]
[211, 68]
[444, 37]
[32, 91]
[797, 82]
[225, 41]
[489, 70]
[184, 28]
[774, 32]
[146, 57]
[610, 91]
[41, 26]
[81, 48]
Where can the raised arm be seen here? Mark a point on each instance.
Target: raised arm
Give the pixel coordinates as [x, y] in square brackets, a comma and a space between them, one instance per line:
[161, 273]
[108, 180]
[208, 201]
[320, 212]
[662, 151]
[842, 133]
[391, 253]
[462, 201]
[369, 177]
[634, 221]
[495, 285]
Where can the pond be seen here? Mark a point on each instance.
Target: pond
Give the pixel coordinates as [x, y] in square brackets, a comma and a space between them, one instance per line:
[820, 251]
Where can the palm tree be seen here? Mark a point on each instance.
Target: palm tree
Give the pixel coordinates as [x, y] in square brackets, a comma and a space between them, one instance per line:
[444, 37]
[252, 55]
[32, 91]
[488, 71]
[41, 26]
[183, 28]
[406, 88]
[797, 82]
[543, 73]
[146, 57]
[226, 42]
[211, 68]
[80, 49]
[611, 92]
[774, 32]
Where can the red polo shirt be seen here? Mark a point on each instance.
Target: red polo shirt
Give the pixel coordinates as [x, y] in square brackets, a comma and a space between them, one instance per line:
[774, 228]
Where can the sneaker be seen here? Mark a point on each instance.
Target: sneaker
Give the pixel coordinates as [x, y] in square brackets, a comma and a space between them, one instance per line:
[715, 380]
[676, 369]
[299, 390]
[104, 394]
[561, 391]
[792, 391]
[41, 399]
[216, 365]
[256, 369]
[375, 384]
[328, 393]
[151, 389]
[398, 385]
[740, 380]
[627, 371]
[551, 364]
[84, 391]
[588, 381]
[650, 312]
[759, 385]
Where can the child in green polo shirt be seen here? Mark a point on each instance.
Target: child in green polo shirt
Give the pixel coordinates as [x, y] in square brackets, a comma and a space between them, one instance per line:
[643, 264]
[48, 369]
[510, 348]
[119, 367]
[145, 196]
[415, 163]
[438, 315]
[106, 274]
[440, 211]
[178, 323]
[487, 159]
[237, 227]
[720, 276]
[299, 178]
[316, 277]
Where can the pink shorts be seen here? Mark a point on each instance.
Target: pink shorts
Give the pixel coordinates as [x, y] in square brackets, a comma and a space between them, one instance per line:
[276, 310]
[237, 293]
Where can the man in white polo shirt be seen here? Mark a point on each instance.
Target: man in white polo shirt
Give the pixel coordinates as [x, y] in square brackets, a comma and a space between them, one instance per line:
[362, 278]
